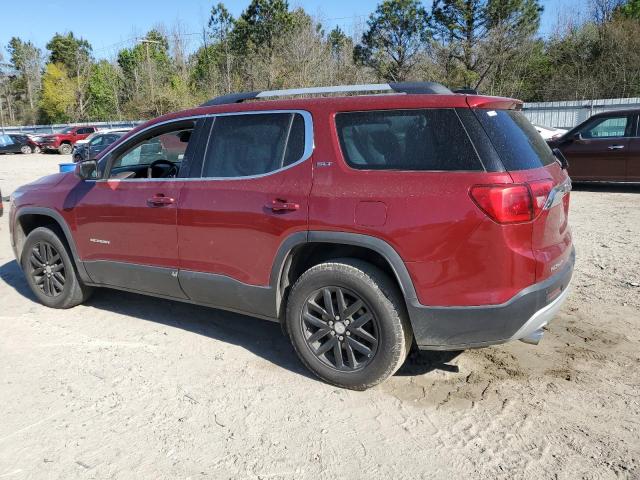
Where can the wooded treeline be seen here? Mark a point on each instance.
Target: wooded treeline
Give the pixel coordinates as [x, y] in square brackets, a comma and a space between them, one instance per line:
[490, 45]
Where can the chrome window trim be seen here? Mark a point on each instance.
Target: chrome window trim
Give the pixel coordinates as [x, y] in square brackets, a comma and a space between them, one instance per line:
[309, 146]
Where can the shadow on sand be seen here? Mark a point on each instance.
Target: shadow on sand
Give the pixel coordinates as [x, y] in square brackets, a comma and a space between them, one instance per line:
[261, 337]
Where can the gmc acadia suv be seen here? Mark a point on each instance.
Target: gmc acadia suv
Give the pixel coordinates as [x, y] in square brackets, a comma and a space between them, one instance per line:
[364, 224]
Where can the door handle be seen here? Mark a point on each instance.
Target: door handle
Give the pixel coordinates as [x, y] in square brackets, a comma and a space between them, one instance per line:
[160, 201]
[616, 147]
[282, 206]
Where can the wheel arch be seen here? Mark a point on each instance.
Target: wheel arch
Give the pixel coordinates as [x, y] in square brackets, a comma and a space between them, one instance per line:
[303, 250]
[30, 218]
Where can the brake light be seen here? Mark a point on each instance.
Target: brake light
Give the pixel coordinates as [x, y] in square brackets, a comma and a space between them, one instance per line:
[512, 203]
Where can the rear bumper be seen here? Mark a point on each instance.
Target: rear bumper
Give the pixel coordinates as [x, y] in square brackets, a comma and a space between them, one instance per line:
[457, 328]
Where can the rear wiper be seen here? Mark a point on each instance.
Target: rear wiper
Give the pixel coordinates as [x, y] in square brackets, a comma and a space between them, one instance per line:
[562, 160]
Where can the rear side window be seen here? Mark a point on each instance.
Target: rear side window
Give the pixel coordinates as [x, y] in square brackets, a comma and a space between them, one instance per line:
[517, 142]
[427, 139]
[254, 144]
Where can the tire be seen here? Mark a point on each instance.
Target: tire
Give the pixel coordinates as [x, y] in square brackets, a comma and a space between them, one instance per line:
[64, 149]
[26, 149]
[386, 336]
[37, 150]
[57, 284]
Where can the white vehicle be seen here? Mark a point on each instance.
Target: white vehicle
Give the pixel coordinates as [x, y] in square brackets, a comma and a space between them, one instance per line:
[100, 132]
[550, 133]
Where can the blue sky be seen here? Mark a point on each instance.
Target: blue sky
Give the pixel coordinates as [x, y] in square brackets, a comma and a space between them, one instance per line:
[110, 25]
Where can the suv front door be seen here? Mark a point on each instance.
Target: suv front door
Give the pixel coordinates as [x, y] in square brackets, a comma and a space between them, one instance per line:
[600, 151]
[633, 158]
[126, 221]
[250, 194]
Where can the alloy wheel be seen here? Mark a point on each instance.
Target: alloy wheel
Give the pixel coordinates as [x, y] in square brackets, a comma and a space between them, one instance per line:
[340, 329]
[47, 269]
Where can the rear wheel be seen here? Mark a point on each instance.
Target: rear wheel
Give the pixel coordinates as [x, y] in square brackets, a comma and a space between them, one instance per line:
[26, 149]
[64, 149]
[50, 271]
[348, 323]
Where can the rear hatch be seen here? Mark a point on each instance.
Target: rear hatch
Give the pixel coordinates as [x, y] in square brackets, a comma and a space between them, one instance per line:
[531, 163]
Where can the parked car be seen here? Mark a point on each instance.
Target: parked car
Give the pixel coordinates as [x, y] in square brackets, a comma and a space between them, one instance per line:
[364, 224]
[549, 133]
[63, 142]
[90, 147]
[16, 143]
[604, 148]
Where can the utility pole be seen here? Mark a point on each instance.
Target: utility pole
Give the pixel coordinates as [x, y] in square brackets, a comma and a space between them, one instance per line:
[2, 73]
[146, 42]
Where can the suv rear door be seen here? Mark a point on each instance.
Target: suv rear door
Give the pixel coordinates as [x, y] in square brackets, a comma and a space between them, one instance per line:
[248, 196]
[600, 152]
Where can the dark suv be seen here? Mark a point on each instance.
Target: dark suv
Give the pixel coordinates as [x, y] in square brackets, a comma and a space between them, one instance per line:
[364, 224]
[604, 148]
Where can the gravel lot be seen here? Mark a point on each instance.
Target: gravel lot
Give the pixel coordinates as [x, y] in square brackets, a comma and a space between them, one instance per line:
[134, 387]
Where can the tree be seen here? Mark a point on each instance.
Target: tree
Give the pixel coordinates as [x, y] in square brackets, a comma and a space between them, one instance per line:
[146, 68]
[397, 38]
[630, 9]
[480, 34]
[338, 41]
[255, 39]
[58, 96]
[102, 91]
[221, 24]
[26, 59]
[74, 53]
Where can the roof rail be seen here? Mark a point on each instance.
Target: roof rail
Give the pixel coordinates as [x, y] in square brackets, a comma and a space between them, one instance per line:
[404, 87]
[466, 91]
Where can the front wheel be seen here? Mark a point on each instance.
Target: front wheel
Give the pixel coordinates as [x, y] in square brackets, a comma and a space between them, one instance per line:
[64, 149]
[25, 149]
[348, 323]
[50, 271]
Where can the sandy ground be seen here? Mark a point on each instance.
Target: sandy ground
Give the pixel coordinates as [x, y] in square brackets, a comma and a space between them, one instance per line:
[134, 387]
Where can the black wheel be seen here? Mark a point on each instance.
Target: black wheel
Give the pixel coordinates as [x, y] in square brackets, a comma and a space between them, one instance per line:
[50, 271]
[25, 149]
[348, 323]
[64, 149]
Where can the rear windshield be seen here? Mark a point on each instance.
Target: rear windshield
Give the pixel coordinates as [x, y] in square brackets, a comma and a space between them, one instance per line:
[517, 142]
[426, 139]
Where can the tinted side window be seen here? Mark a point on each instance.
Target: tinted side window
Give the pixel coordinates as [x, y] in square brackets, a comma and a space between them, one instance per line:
[607, 128]
[428, 139]
[254, 144]
[517, 142]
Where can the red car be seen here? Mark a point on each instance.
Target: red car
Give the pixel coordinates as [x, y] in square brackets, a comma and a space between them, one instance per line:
[364, 224]
[63, 142]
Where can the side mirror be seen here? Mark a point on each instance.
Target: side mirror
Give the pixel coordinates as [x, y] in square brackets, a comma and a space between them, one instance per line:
[564, 163]
[577, 137]
[87, 170]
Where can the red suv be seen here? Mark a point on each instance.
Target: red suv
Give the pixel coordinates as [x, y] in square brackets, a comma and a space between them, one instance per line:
[364, 224]
[63, 141]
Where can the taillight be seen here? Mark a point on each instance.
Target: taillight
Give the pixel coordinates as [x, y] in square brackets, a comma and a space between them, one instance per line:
[512, 203]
